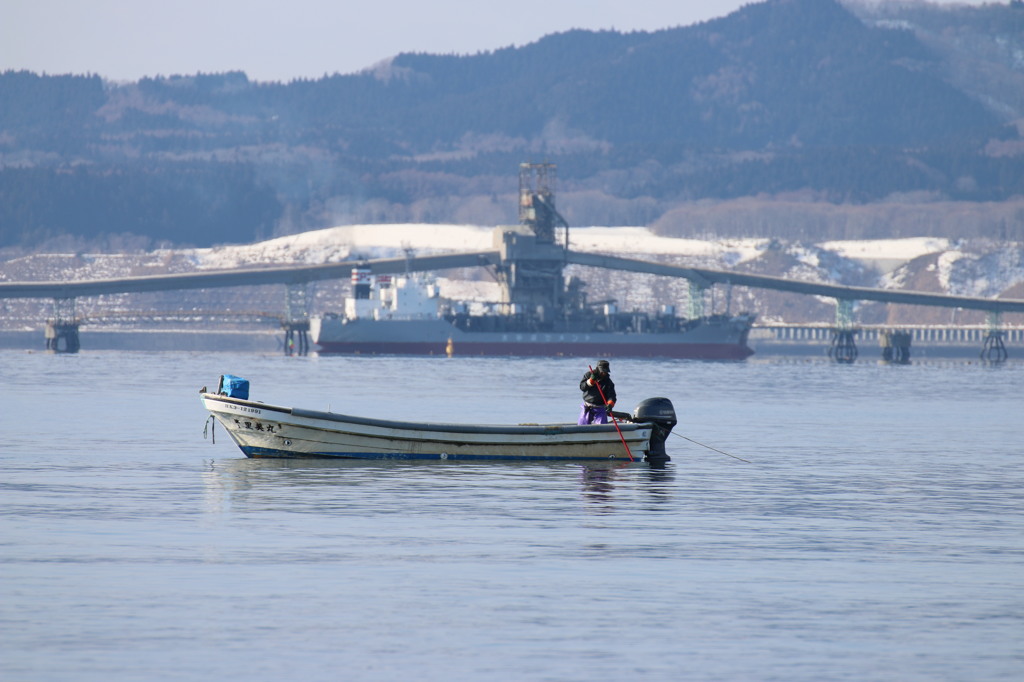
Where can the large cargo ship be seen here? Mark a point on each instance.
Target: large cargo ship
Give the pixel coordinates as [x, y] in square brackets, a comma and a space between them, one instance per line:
[539, 311]
[405, 316]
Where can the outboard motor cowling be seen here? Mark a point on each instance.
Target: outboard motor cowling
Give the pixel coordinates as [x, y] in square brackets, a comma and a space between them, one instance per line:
[660, 413]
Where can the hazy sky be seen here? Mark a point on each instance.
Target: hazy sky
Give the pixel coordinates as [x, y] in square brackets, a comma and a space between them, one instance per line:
[286, 39]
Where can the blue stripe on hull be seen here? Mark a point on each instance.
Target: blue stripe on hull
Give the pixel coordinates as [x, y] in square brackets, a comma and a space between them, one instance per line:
[257, 453]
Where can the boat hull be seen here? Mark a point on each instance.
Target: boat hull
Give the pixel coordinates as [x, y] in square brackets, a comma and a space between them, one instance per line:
[726, 340]
[262, 430]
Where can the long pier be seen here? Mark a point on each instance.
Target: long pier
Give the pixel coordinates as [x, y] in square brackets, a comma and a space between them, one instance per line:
[519, 252]
[896, 342]
[705, 277]
[62, 329]
[294, 274]
[919, 333]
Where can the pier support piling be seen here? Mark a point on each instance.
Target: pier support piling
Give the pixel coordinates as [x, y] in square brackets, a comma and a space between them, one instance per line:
[62, 337]
[843, 348]
[62, 330]
[993, 348]
[695, 300]
[895, 346]
[296, 322]
[296, 337]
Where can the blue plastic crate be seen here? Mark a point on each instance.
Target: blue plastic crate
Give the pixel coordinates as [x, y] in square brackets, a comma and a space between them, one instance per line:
[234, 387]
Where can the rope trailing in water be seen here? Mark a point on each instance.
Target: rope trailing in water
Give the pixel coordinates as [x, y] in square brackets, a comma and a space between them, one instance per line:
[210, 427]
[711, 448]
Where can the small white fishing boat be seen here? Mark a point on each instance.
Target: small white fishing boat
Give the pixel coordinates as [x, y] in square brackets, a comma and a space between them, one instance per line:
[263, 430]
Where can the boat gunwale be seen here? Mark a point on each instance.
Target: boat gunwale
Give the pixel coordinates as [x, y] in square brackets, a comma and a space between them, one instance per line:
[516, 429]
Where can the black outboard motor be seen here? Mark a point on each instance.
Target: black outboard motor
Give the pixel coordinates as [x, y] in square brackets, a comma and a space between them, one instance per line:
[659, 413]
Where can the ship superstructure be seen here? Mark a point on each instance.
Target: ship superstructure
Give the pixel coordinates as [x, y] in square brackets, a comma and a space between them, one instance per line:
[540, 311]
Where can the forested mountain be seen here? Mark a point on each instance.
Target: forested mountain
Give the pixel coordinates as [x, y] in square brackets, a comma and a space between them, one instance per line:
[781, 98]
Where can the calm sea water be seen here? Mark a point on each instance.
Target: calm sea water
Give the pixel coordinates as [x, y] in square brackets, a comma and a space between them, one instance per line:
[877, 534]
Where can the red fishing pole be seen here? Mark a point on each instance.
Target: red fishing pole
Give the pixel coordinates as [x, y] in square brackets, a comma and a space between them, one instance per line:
[614, 421]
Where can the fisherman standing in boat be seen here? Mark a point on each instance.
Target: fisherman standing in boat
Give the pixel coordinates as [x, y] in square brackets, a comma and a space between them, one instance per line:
[597, 387]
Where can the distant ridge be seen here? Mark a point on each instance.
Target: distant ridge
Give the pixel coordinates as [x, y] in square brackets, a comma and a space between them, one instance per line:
[780, 98]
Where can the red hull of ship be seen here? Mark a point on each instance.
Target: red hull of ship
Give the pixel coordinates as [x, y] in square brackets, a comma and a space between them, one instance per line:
[682, 351]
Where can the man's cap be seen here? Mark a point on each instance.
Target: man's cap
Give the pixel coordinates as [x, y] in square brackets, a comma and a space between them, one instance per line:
[602, 365]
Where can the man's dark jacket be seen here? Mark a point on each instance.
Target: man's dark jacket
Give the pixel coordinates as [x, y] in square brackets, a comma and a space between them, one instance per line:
[591, 396]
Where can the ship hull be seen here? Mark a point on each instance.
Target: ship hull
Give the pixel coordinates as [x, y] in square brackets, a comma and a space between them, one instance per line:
[725, 339]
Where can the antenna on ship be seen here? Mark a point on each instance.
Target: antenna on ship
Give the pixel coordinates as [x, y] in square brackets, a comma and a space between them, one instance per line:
[410, 252]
